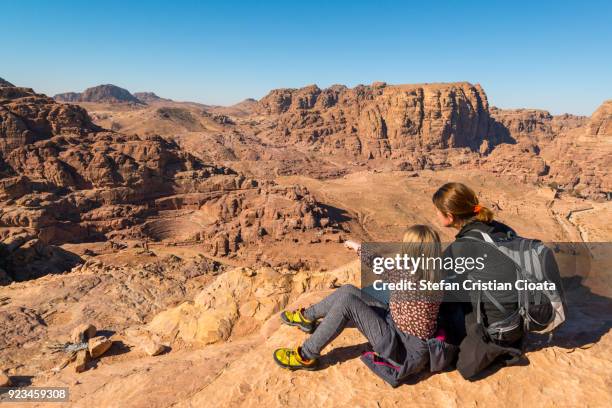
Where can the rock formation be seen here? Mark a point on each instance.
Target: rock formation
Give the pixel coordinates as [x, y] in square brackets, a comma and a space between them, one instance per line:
[238, 302]
[101, 93]
[567, 152]
[330, 132]
[65, 180]
[536, 124]
[379, 120]
[601, 120]
[148, 97]
[27, 117]
[207, 296]
[436, 126]
[72, 97]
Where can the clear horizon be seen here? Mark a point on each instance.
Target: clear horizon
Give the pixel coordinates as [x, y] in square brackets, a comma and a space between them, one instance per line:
[555, 56]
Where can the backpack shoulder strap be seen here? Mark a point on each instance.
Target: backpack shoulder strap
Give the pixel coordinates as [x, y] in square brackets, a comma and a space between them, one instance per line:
[486, 237]
[492, 299]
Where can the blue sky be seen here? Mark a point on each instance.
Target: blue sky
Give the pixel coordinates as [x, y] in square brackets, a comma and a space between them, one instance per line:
[539, 54]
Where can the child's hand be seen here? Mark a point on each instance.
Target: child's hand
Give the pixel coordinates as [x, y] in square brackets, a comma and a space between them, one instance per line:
[355, 246]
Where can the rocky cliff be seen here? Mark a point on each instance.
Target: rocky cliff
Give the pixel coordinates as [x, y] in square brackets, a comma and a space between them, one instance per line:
[380, 120]
[433, 126]
[566, 151]
[26, 117]
[330, 132]
[535, 124]
[601, 120]
[72, 97]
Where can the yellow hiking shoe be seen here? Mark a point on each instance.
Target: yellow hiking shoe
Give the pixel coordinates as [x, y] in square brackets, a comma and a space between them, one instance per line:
[291, 359]
[296, 318]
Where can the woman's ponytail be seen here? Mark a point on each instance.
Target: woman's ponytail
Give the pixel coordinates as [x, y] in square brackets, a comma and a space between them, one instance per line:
[461, 202]
[483, 214]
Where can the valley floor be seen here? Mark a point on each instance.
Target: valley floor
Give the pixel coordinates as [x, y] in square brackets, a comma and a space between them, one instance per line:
[121, 290]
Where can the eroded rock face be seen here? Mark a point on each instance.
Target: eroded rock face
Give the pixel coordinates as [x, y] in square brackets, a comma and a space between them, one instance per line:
[565, 151]
[535, 124]
[601, 120]
[25, 256]
[27, 117]
[326, 133]
[380, 120]
[436, 126]
[68, 97]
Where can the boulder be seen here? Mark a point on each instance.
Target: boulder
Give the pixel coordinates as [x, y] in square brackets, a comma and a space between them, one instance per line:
[98, 345]
[81, 360]
[239, 300]
[83, 332]
[146, 341]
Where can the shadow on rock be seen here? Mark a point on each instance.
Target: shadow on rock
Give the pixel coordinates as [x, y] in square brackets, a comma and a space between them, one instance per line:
[335, 213]
[118, 348]
[589, 317]
[342, 354]
[29, 258]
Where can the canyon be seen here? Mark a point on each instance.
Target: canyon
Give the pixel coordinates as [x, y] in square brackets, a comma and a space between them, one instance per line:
[192, 226]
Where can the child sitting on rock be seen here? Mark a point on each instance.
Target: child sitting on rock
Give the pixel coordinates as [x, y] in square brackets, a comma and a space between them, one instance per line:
[397, 332]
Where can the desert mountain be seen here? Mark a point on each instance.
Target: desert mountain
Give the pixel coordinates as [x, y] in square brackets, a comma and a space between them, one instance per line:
[244, 108]
[337, 130]
[101, 93]
[148, 97]
[5, 83]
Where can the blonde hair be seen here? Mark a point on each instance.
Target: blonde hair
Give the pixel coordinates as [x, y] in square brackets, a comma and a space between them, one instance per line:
[424, 241]
[461, 202]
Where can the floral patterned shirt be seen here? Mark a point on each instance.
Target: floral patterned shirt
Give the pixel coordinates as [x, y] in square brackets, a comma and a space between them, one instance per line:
[414, 312]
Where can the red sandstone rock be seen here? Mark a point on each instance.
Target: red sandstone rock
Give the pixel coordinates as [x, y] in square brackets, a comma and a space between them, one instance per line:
[68, 181]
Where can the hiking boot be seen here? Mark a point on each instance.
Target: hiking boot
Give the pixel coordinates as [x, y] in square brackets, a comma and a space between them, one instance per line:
[296, 318]
[292, 360]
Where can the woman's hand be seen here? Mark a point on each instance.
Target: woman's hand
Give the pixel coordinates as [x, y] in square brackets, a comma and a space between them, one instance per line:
[355, 246]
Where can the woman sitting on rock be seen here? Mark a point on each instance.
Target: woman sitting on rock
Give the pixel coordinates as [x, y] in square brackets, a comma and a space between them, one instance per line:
[457, 206]
[398, 333]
